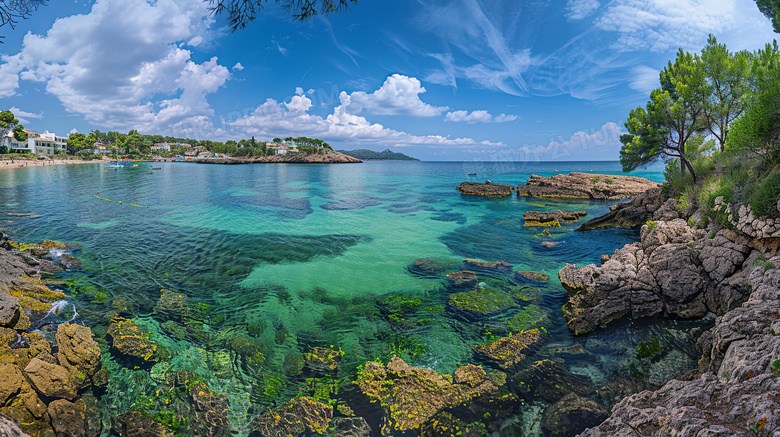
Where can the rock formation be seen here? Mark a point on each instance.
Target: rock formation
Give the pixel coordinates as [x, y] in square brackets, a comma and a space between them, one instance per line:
[635, 212]
[585, 186]
[327, 157]
[554, 218]
[487, 189]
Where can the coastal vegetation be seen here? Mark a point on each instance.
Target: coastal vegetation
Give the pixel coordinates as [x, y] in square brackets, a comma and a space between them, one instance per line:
[716, 122]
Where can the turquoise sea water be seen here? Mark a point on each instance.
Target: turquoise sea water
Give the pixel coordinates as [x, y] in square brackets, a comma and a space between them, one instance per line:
[285, 258]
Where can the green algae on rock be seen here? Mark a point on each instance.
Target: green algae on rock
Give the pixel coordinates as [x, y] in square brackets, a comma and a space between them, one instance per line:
[482, 300]
[412, 397]
[130, 341]
[299, 416]
[507, 352]
[533, 276]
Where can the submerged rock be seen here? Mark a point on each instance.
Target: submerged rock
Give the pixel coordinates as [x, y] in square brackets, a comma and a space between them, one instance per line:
[413, 397]
[572, 415]
[549, 244]
[551, 219]
[550, 381]
[507, 352]
[585, 186]
[482, 300]
[488, 189]
[172, 304]
[427, 267]
[129, 341]
[8, 428]
[488, 265]
[136, 424]
[533, 276]
[297, 417]
[463, 278]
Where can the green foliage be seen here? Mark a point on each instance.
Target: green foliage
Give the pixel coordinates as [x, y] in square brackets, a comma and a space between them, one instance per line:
[651, 225]
[242, 12]
[100, 297]
[762, 195]
[775, 366]
[771, 8]
[762, 262]
[608, 181]
[594, 180]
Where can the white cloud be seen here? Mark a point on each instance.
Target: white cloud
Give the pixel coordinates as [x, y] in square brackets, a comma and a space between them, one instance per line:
[644, 79]
[113, 64]
[274, 119]
[24, 116]
[579, 9]
[299, 103]
[279, 47]
[238, 67]
[194, 42]
[479, 116]
[298, 91]
[661, 25]
[399, 95]
[581, 145]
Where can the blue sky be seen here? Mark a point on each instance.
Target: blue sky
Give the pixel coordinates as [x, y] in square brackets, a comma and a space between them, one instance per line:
[438, 80]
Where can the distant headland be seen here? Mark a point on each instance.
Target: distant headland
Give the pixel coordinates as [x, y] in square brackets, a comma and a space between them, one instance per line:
[370, 155]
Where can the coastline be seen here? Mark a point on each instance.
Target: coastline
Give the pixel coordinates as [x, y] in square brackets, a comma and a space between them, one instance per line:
[24, 163]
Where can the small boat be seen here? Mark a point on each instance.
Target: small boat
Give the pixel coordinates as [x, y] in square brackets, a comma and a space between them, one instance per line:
[472, 174]
[156, 168]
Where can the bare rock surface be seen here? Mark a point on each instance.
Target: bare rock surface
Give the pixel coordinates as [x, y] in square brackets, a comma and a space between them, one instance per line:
[675, 270]
[585, 186]
[554, 218]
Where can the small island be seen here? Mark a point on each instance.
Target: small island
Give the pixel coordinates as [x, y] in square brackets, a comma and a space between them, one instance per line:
[370, 155]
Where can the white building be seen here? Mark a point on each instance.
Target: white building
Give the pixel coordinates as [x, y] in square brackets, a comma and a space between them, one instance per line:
[46, 143]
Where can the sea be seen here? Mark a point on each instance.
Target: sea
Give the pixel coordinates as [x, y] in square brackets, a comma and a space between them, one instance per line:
[275, 260]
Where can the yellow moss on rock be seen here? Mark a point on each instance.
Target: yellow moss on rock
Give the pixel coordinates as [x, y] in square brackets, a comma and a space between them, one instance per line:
[299, 416]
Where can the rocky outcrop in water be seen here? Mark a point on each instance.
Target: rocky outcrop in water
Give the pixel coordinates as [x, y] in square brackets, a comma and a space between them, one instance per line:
[738, 393]
[487, 189]
[554, 218]
[675, 270]
[585, 186]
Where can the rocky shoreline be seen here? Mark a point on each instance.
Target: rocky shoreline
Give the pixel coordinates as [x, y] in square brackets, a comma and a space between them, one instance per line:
[684, 267]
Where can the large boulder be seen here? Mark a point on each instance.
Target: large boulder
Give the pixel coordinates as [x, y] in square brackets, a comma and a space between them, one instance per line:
[488, 189]
[585, 186]
[51, 380]
[68, 418]
[136, 424]
[297, 417]
[78, 351]
[12, 380]
[509, 352]
[132, 343]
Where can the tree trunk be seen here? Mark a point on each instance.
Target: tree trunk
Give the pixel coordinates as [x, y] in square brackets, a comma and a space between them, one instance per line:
[688, 164]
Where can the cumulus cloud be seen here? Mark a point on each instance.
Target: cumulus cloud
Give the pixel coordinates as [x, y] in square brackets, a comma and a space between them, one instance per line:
[113, 64]
[238, 67]
[275, 119]
[579, 9]
[24, 117]
[479, 116]
[399, 95]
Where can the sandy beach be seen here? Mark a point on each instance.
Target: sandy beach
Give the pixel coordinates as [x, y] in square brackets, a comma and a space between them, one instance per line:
[7, 164]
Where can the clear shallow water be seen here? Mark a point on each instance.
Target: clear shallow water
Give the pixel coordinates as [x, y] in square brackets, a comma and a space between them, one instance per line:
[288, 257]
